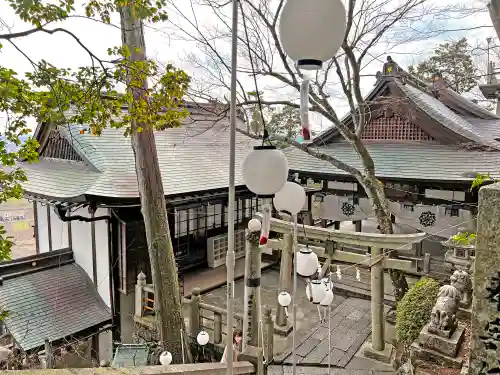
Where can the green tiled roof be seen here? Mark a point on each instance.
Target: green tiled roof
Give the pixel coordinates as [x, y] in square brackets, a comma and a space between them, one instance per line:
[402, 160]
[52, 304]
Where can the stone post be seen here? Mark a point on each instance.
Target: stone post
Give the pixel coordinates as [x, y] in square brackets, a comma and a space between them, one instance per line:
[194, 312]
[485, 341]
[285, 278]
[268, 328]
[377, 300]
[139, 293]
[251, 317]
[377, 349]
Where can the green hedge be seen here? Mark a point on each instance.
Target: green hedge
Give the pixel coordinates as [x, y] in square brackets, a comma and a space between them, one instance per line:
[414, 310]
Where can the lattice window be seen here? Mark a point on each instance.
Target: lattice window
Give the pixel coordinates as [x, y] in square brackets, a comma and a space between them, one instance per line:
[217, 248]
[395, 128]
[58, 147]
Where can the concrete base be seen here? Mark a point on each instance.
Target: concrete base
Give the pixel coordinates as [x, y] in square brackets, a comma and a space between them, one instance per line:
[283, 331]
[447, 346]
[384, 356]
[417, 352]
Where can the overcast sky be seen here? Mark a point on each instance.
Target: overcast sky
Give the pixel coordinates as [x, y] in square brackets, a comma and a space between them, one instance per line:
[62, 51]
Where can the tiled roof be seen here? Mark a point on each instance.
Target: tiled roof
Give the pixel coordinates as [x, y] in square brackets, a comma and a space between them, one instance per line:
[402, 160]
[443, 115]
[193, 158]
[439, 111]
[52, 304]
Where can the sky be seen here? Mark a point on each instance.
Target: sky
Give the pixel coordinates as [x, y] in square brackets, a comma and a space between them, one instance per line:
[164, 46]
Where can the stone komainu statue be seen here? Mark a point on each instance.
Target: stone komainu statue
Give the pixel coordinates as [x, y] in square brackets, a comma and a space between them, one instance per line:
[443, 315]
[461, 280]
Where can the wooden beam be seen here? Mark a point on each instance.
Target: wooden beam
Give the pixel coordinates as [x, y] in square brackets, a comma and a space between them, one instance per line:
[384, 241]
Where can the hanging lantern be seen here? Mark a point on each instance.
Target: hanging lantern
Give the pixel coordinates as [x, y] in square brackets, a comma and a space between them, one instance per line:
[202, 338]
[284, 299]
[290, 199]
[254, 225]
[165, 358]
[265, 170]
[307, 262]
[327, 299]
[315, 291]
[311, 32]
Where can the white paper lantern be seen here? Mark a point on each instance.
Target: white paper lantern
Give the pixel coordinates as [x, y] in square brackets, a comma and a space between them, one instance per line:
[165, 358]
[315, 291]
[327, 299]
[202, 338]
[290, 199]
[254, 225]
[327, 282]
[284, 299]
[311, 32]
[265, 170]
[307, 262]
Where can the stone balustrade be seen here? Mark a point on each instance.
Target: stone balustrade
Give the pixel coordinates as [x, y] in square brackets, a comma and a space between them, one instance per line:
[200, 316]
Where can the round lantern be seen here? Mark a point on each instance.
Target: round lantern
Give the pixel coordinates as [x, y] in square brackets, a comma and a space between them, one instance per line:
[327, 299]
[202, 338]
[254, 225]
[290, 199]
[307, 262]
[311, 32]
[284, 299]
[265, 170]
[315, 291]
[165, 358]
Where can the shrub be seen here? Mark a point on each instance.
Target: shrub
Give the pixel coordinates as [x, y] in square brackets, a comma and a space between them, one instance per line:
[414, 310]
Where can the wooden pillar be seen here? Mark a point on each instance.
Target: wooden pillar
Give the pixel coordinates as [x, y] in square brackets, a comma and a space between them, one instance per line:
[95, 348]
[358, 226]
[49, 355]
[285, 277]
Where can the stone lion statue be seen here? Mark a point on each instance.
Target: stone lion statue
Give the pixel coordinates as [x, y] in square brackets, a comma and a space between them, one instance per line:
[461, 280]
[443, 315]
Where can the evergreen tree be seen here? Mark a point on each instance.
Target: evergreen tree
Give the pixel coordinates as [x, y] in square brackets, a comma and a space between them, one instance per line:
[454, 61]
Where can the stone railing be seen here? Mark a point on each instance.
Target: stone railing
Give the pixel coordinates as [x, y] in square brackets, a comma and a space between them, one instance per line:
[201, 316]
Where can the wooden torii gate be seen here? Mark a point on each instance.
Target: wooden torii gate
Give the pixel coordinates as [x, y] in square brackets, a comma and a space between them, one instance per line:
[377, 260]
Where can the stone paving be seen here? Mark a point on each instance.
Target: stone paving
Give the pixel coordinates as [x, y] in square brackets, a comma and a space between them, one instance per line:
[307, 313]
[350, 326]
[302, 370]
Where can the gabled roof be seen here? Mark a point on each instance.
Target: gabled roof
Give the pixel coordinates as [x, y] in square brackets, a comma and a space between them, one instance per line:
[49, 301]
[449, 116]
[193, 158]
[463, 136]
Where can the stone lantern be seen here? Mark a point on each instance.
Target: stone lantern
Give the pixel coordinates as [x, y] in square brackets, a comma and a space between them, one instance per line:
[459, 256]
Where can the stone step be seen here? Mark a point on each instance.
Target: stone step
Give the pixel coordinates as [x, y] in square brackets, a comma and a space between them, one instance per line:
[314, 370]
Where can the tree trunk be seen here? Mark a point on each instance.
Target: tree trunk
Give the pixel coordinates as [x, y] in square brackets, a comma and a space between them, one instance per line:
[375, 191]
[161, 254]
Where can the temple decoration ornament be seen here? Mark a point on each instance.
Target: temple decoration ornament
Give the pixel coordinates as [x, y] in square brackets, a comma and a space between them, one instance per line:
[348, 209]
[444, 313]
[427, 219]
